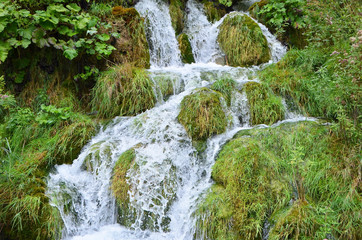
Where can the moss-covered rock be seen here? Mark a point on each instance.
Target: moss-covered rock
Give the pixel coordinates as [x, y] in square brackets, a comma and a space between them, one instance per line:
[131, 46]
[128, 213]
[265, 107]
[123, 90]
[214, 11]
[202, 114]
[177, 11]
[242, 41]
[290, 175]
[100, 153]
[185, 48]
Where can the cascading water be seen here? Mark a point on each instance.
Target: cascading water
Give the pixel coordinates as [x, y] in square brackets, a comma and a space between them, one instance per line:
[163, 52]
[171, 177]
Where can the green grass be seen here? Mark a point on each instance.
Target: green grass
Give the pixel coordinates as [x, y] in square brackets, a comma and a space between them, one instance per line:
[123, 91]
[264, 106]
[225, 86]
[177, 13]
[243, 42]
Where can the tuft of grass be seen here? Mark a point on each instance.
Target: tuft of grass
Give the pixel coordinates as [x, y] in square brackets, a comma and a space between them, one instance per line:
[265, 107]
[185, 48]
[243, 42]
[225, 86]
[123, 90]
[202, 115]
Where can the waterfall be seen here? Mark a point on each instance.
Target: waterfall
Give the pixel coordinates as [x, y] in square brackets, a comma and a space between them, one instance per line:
[171, 177]
[164, 49]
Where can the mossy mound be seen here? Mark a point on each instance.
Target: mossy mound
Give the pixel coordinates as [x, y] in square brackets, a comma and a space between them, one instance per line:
[243, 42]
[265, 107]
[132, 46]
[290, 176]
[225, 86]
[185, 48]
[177, 12]
[202, 114]
[214, 11]
[127, 213]
[123, 90]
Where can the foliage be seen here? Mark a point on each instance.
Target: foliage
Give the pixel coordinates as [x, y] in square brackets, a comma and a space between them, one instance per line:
[123, 90]
[60, 25]
[202, 115]
[50, 115]
[242, 41]
[280, 14]
[265, 107]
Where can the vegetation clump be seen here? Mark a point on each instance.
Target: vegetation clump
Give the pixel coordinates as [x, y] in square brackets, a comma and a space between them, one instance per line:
[225, 86]
[264, 106]
[214, 11]
[242, 41]
[177, 14]
[202, 115]
[131, 44]
[185, 48]
[123, 91]
[288, 176]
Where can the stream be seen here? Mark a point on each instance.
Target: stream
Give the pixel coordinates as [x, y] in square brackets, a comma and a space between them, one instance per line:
[168, 164]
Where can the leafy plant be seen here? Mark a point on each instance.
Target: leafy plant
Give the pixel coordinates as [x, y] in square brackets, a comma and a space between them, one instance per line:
[59, 25]
[283, 13]
[50, 115]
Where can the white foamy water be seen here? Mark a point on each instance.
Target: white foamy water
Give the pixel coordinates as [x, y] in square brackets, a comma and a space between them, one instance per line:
[170, 175]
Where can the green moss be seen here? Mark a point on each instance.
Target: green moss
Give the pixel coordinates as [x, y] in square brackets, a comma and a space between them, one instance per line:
[214, 13]
[243, 42]
[225, 86]
[123, 90]
[132, 46]
[185, 48]
[265, 107]
[100, 153]
[291, 175]
[176, 10]
[202, 114]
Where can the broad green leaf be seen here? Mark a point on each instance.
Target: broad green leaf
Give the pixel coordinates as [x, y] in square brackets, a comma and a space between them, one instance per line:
[103, 37]
[4, 50]
[57, 8]
[70, 53]
[27, 32]
[73, 7]
[25, 43]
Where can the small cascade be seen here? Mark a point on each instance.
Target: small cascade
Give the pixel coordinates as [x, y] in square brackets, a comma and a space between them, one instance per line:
[202, 33]
[170, 177]
[161, 38]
